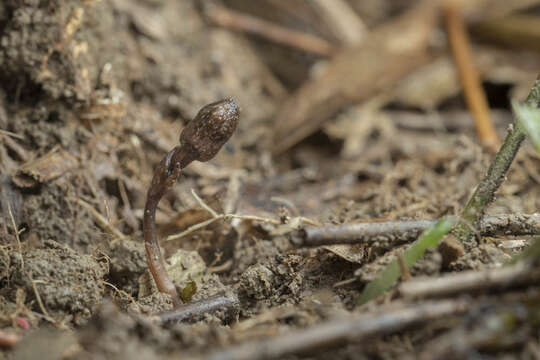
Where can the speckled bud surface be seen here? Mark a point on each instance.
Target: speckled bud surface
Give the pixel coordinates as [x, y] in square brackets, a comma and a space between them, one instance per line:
[211, 128]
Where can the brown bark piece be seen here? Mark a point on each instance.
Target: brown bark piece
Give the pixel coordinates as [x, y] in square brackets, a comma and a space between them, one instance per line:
[46, 168]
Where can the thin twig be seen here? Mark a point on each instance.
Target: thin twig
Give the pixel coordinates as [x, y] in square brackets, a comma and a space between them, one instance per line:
[40, 302]
[221, 268]
[16, 231]
[467, 281]
[495, 175]
[497, 329]
[235, 20]
[215, 217]
[34, 287]
[12, 134]
[252, 218]
[204, 205]
[121, 292]
[404, 231]
[227, 301]
[353, 328]
[469, 78]
[100, 219]
[362, 232]
[511, 224]
[193, 228]
[127, 204]
[205, 223]
[16, 148]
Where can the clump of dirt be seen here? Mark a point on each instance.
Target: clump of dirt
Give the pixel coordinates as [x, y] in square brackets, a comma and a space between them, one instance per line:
[9, 309]
[69, 225]
[131, 336]
[151, 304]
[125, 337]
[5, 261]
[68, 283]
[36, 36]
[291, 280]
[248, 253]
[47, 70]
[481, 257]
[127, 264]
[274, 282]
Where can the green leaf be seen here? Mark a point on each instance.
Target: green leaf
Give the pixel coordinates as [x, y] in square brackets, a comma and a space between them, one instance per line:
[528, 118]
[389, 276]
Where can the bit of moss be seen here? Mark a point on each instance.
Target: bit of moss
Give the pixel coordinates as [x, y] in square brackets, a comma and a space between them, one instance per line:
[186, 294]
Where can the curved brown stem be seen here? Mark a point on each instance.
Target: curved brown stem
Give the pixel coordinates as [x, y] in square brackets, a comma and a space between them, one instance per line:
[165, 176]
[201, 140]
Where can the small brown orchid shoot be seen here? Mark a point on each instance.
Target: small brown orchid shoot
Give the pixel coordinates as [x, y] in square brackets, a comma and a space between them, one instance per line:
[200, 140]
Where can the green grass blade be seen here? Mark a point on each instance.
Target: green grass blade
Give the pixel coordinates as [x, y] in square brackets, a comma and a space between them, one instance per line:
[528, 118]
[390, 275]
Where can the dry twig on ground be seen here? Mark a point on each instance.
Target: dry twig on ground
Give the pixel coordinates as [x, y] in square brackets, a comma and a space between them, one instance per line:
[469, 281]
[354, 328]
[498, 328]
[223, 302]
[468, 76]
[403, 231]
[216, 217]
[235, 20]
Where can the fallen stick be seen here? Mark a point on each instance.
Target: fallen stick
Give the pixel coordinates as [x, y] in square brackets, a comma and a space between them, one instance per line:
[498, 329]
[354, 328]
[474, 94]
[404, 231]
[243, 22]
[226, 302]
[474, 280]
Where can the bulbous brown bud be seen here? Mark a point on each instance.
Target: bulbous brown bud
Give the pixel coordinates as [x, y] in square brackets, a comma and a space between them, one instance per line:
[211, 128]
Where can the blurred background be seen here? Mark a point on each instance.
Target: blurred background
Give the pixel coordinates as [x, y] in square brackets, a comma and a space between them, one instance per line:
[351, 110]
